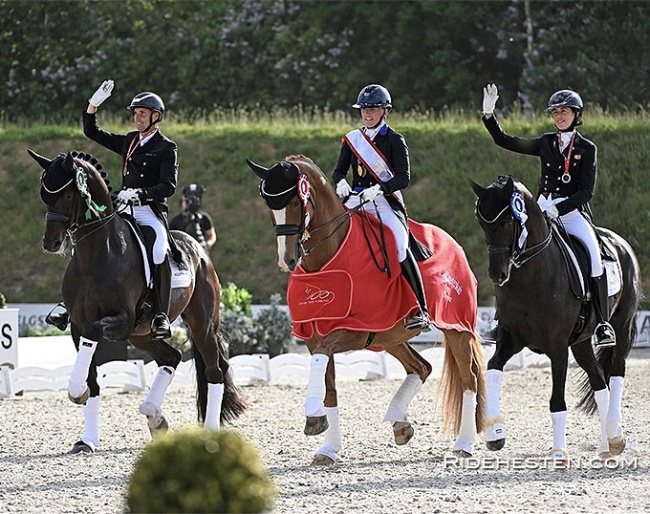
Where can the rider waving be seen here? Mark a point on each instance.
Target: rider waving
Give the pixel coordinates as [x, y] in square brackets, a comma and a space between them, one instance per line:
[380, 166]
[149, 177]
[567, 182]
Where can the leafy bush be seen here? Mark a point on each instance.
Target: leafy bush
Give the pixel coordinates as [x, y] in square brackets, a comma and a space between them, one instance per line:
[269, 333]
[199, 470]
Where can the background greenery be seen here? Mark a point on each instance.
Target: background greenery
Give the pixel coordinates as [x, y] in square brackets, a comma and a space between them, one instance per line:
[431, 54]
[446, 152]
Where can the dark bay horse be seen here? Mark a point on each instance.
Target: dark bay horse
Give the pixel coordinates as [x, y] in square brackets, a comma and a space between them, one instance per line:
[537, 308]
[312, 228]
[106, 291]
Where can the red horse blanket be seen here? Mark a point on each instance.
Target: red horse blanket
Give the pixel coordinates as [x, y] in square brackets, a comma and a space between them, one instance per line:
[350, 292]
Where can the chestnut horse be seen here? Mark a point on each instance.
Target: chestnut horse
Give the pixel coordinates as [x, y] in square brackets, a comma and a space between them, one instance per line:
[106, 292]
[311, 226]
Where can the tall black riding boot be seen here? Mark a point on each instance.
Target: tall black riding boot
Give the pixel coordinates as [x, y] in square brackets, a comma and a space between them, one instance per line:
[605, 335]
[58, 317]
[162, 283]
[410, 270]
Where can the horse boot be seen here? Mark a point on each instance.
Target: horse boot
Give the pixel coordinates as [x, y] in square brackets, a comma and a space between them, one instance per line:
[410, 270]
[58, 317]
[162, 283]
[605, 335]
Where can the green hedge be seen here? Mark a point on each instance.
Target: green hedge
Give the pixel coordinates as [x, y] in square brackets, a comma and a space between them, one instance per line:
[445, 154]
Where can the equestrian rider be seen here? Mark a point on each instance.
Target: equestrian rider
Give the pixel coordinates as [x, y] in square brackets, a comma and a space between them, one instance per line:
[567, 183]
[379, 190]
[149, 177]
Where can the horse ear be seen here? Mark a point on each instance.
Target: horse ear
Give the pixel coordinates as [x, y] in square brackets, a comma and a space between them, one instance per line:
[44, 162]
[478, 189]
[509, 186]
[260, 171]
[69, 161]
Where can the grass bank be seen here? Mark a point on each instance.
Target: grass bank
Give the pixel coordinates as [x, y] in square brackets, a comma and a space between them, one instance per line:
[445, 153]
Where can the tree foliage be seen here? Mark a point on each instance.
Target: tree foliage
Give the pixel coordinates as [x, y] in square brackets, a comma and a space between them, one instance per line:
[268, 54]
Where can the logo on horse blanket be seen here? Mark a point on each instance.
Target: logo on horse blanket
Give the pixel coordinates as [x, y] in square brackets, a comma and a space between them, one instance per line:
[350, 292]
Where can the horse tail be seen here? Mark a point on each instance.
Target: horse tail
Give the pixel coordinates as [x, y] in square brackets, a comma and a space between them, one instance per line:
[463, 369]
[233, 404]
[604, 357]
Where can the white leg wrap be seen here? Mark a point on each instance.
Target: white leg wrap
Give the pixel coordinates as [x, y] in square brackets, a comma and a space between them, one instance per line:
[614, 416]
[494, 379]
[79, 374]
[399, 404]
[314, 405]
[333, 438]
[91, 422]
[602, 402]
[152, 404]
[559, 429]
[213, 411]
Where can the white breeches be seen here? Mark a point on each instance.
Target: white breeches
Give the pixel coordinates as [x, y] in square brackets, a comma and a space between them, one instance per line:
[380, 208]
[144, 215]
[578, 226]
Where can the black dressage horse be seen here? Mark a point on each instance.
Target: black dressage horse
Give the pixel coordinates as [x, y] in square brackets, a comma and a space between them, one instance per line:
[105, 289]
[539, 309]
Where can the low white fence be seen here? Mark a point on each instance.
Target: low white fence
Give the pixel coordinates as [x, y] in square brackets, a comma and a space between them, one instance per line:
[259, 369]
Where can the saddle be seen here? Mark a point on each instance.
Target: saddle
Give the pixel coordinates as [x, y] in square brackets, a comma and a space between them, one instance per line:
[178, 261]
[578, 265]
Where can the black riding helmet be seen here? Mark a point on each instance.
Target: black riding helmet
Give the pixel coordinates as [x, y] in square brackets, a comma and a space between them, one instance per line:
[567, 98]
[148, 100]
[374, 95]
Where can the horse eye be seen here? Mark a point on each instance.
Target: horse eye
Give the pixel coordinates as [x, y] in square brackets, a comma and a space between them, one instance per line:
[69, 195]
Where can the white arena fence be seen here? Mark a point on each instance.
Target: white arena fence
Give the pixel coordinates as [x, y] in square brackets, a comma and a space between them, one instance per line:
[258, 369]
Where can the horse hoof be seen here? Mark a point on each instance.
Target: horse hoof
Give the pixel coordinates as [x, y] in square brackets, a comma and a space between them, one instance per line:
[316, 425]
[81, 399]
[81, 447]
[495, 445]
[403, 432]
[462, 454]
[616, 445]
[157, 426]
[322, 460]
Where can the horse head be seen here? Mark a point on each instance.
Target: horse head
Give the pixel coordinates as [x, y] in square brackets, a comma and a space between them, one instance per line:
[74, 188]
[508, 215]
[289, 188]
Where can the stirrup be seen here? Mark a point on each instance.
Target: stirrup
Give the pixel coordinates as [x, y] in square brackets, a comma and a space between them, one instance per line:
[605, 336]
[160, 327]
[59, 320]
[419, 321]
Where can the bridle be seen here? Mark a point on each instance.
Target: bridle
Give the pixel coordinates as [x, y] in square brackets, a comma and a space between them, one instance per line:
[74, 229]
[519, 255]
[303, 228]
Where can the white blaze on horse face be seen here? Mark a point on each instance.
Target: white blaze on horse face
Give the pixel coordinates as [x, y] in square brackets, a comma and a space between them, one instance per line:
[280, 218]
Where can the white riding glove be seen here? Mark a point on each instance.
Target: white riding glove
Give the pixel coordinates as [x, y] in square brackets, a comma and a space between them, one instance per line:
[127, 196]
[102, 93]
[490, 97]
[544, 203]
[552, 212]
[343, 189]
[368, 195]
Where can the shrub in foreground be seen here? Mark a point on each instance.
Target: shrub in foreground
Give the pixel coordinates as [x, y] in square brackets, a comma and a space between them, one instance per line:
[199, 470]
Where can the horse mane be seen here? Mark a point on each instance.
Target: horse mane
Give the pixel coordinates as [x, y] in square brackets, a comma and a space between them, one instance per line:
[90, 163]
[310, 165]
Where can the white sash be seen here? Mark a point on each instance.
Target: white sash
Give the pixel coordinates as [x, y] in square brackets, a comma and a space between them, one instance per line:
[371, 158]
